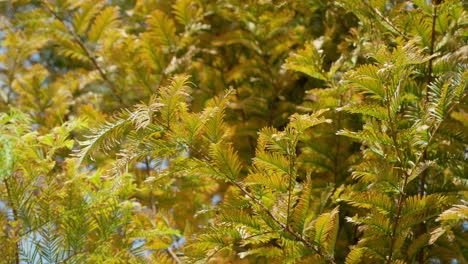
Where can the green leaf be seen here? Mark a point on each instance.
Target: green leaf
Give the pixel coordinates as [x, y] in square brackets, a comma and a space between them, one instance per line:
[104, 137]
[308, 61]
[162, 28]
[371, 200]
[82, 19]
[185, 11]
[226, 160]
[172, 99]
[369, 109]
[105, 21]
[366, 79]
[326, 230]
[272, 162]
[356, 255]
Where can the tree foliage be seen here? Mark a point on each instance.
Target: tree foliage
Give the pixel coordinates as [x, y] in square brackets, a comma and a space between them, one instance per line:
[233, 131]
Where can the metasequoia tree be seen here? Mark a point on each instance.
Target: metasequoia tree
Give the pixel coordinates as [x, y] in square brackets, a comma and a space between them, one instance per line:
[233, 131]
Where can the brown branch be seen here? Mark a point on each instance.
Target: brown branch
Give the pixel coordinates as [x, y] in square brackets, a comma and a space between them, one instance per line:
[250, 139]
[422, 188]
[173, 255]
[297, 236]
[151, 194]
[291, 176]
[402, 195]
[418, 160]
[63, 261]
[431, 51]
[384, 19]
[283, 226]
[15, 217]
[337, 145]
[396, 222]
[88, 54]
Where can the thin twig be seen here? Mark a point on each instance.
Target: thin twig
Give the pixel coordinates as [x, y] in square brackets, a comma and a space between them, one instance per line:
[418, 160]
[297, 236]
[431, 52]
[173, 255]
[337, 144]
[15, 217]
[63, 261]
[384, 19]
[250, 139]
[283, 226]
[402, 195]
[291, 176]
[88, 53]
[422, 188]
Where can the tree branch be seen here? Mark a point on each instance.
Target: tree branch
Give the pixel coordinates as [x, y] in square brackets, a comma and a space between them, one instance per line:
[422, 188]
[88, 53]
[282, 225]
[15, 217]
[285, 227]
[173, 255]
[292, 177]
[384, 19]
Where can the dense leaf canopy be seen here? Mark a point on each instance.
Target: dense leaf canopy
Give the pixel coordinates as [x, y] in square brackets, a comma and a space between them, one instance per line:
[233, 131]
